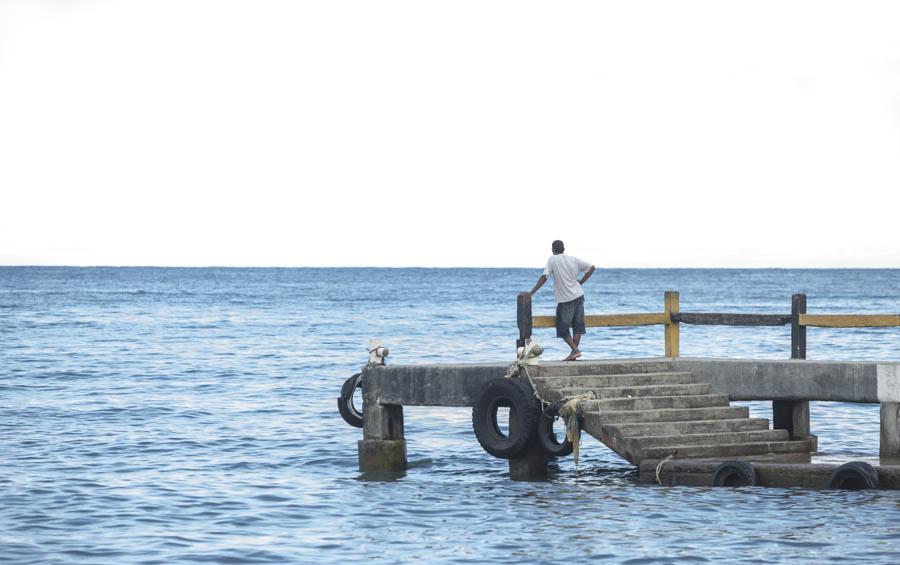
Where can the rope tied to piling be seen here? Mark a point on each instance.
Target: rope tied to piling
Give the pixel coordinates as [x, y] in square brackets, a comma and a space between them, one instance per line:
[659, 467]
[569, 408]
[527, 356]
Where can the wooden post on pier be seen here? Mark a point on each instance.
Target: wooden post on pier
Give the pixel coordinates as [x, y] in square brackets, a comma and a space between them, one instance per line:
[789, 415]
[798, 331]
[672, 329]
[523, 318]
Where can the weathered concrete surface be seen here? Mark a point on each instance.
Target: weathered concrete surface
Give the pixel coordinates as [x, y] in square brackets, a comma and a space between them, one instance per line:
[795, 379]
[531, 467]
[430, 385]
[890, 429]
[792, 416]
[606, 391]
[699, 472]
[619, 381]
[669, 382]
[888, 382]
[742, 379]
[602, 367]
[684, 418]
[383, 447]
[382, 455]
[382, 421]
[459, 384]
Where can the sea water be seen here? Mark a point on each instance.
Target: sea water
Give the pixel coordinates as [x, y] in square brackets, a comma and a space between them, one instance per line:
[154, 415]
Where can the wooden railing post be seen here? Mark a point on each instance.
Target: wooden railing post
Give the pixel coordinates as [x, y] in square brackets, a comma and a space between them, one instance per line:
[789, 415]
[798, 332]
[672, 332]
[523, 318]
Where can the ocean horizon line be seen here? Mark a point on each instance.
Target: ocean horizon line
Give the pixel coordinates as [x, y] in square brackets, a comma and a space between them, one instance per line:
[437, 268]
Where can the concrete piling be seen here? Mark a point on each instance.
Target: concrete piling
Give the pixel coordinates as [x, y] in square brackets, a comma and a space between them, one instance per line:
[889, 446]
[792, 416]
[531, 467]
[382, 455]
[383, 447]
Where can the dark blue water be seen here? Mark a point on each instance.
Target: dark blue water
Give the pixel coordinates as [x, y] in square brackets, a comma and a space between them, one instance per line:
[188, 415]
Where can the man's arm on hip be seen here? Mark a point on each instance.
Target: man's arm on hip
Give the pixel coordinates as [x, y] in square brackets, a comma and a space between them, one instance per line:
[587, 275]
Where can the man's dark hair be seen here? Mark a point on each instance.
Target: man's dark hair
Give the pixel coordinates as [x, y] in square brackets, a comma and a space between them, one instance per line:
[558, 247]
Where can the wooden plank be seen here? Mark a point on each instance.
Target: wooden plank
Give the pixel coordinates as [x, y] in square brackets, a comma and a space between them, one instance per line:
[611, 320]
[731, 319]
[607, 320]
[850, 320]
[672, 334]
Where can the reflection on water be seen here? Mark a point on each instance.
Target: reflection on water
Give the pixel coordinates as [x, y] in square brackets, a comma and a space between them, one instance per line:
[183, 415]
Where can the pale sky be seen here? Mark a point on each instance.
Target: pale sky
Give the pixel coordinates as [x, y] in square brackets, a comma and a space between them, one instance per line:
[373, 133]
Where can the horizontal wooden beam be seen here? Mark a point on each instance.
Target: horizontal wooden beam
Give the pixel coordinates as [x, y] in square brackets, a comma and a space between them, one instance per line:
[607, 320]
[850, 320]
[709, 319]
[730, 319]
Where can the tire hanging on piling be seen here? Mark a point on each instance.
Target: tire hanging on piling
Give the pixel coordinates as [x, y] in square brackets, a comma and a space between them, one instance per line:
[524, 412]
[347, 409]
[547, 438]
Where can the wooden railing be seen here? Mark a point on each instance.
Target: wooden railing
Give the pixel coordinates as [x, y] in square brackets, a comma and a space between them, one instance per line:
[671, 317]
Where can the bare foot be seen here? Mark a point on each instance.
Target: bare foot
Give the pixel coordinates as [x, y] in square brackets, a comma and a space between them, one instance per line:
[573, 356]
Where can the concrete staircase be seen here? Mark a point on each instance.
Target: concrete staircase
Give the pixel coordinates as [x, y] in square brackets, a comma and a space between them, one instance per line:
[645, 412]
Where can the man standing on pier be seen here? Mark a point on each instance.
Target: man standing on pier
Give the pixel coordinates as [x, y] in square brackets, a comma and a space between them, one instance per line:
[569, 295]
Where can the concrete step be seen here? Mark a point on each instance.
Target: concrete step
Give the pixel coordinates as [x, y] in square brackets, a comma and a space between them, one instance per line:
[644, 412]
[725, 450]
[552, 369]
[597, 419]
[641, 403]
[636, 391]
[691, 427]
[623, 380]
[753, 436]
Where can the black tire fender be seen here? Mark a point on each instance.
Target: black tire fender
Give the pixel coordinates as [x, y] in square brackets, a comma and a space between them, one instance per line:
[524, 412]
[548, 439]
[735, 474]
[347, 409]
[855, 475]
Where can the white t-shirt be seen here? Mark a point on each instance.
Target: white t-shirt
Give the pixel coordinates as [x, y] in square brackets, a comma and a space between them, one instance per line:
[565, 269]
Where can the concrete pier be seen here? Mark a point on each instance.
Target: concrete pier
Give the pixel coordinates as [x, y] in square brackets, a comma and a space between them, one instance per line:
[653, 409]
[653, 392]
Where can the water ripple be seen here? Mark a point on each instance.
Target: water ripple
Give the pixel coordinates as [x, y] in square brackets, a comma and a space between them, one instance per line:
[188, 415]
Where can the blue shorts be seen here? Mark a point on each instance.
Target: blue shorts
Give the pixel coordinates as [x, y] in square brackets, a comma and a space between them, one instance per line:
[570, 315]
